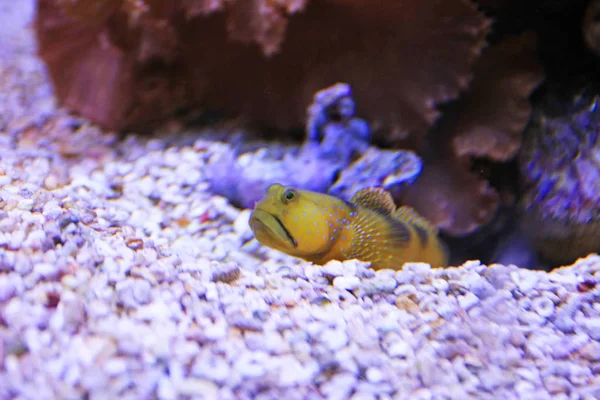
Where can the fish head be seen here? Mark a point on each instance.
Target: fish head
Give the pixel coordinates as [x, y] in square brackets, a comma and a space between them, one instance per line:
[292, 221]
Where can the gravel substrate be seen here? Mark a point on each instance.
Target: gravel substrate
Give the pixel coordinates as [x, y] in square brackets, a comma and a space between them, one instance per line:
[122, 277]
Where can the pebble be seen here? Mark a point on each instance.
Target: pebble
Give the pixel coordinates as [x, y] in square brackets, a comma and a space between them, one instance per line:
[197, 387]
[378, 284]
[399, 349]
[333, 269]
[590, 351]
[211, 367]
[374, 375]
[481, 287]
[10, 285]
[241, 226]
[467, 300]
[166, 389]
[569, 345]
[334, 339]
[591, 326]
[25, 204]
[251, 365]
[531, 318]
[557, 384]
[543, 306]
[115, 366]
[440, 285]
[346, 282]
[226, 272]
[293, 373]
[339, 386]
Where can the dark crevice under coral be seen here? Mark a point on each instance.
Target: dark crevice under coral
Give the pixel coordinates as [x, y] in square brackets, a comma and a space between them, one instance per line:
[558, 25]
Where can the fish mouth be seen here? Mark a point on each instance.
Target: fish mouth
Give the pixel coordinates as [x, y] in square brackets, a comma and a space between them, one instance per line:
[267, 227]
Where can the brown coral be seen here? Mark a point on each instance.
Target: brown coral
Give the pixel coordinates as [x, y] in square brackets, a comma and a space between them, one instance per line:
[496, 108]
[487, 121]
[115, 69]
[263, 22]
[138, 64]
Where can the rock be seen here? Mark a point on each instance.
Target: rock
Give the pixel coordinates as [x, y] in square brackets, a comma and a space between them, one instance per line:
[346, 282]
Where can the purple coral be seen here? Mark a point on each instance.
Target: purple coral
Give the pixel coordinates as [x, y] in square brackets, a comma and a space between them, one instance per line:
[332, 130]
[560, 171]
[336, 157]
[378, 168]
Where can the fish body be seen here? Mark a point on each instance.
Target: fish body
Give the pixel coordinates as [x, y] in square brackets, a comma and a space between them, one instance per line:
[318, 228]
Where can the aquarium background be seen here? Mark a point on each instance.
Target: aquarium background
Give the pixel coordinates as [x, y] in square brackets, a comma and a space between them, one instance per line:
[135, 138]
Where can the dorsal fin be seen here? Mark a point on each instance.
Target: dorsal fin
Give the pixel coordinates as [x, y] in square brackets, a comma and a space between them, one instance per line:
[376, 199]
[410, 216]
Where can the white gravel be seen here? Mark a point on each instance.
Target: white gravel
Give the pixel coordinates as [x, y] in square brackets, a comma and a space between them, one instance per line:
[122, 277]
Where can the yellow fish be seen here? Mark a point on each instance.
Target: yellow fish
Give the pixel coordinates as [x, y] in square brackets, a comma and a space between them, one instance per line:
[319, 228]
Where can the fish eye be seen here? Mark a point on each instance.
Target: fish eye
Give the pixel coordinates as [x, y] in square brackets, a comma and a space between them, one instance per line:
[289, 195]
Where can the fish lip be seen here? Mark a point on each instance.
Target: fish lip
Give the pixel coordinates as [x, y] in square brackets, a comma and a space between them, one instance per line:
[257, 215]
[288, 234]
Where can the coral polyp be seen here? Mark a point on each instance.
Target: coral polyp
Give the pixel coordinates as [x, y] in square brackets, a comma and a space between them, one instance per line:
[560, 171]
